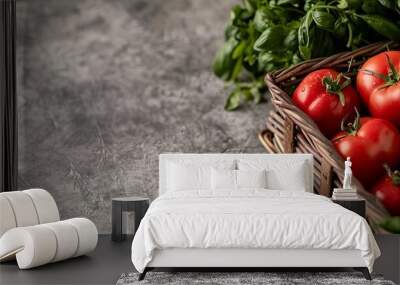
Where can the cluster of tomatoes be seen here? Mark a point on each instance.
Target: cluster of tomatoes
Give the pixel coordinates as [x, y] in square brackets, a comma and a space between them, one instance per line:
[372, 141]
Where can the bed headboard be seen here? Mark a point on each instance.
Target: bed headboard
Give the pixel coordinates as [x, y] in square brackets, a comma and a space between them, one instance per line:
[163, 159]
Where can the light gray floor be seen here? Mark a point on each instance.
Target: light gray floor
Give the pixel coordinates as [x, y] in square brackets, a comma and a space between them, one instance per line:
[103, 266]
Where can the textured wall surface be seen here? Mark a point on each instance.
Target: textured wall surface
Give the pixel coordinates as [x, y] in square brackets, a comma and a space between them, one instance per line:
[105, 86]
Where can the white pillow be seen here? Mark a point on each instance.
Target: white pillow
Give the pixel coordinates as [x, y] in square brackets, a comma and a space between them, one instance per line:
[281, 175]
[225, 179]
[290, 177]
[251, 178]
[181, 177]
[187, 175]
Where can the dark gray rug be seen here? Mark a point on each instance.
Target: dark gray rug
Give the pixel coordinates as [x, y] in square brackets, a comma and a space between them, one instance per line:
[270, 278]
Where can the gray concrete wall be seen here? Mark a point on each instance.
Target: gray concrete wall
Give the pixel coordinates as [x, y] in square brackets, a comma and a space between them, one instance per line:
[105, 86]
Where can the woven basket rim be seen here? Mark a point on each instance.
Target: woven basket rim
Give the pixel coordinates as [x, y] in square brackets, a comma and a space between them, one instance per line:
[342, 55]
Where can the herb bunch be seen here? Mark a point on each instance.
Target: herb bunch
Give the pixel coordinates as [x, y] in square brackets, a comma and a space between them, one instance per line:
[266, 35]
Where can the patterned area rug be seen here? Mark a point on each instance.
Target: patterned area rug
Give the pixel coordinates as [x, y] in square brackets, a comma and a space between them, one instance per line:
[270, 278]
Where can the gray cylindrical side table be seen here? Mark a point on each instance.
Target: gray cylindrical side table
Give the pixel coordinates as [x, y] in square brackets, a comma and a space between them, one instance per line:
[139, 205]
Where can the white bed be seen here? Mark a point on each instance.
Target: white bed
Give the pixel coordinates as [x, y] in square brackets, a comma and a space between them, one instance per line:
[273, 226]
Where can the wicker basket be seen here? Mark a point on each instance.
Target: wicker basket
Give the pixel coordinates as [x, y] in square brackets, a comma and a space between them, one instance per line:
[290, 130]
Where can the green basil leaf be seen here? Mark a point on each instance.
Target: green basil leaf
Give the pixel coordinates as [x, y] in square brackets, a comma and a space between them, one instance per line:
[233, 101]
[223, 63]
[267, 16]
[240, 17]
[323, 44]
[236, 69]
[305, 51]
[280, 15]
[251, 58]
[343, 4]
[230, 32]
[252, 35]
[296, 58]
[235, 12]
[261, 21]
[239, 50]
[250, 5]
[383, 26]
[323, 20]
[290, 42]
[255, 92]
[270, 39]
[391, 224]
[247, 95]
[373, 7]
[387, 3]
[308, 5]
[295, 3]
[304, 29]
[293, 25]
[340, 27]
[350, 4]
[266, 58]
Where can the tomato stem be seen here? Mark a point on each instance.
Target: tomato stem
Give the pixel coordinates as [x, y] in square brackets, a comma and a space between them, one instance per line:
[352, 127]
[334, 86]
[394, 175]
[391, 78]
[393, 74]
[396, 178]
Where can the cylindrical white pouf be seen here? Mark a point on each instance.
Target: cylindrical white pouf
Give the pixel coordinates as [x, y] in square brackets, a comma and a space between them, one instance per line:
[23, 208]
[67, 240]
[87, 234]
[7, 218]
[46, 207]
[40, 244]
[33, 246]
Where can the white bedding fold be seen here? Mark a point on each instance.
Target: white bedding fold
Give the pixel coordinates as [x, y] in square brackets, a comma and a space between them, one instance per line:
[250, 219]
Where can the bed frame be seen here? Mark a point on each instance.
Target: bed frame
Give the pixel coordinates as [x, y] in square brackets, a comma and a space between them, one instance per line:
[246, 259]
[250, 259]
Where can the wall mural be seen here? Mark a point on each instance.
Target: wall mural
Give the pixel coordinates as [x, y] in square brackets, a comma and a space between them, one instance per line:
[104, 87]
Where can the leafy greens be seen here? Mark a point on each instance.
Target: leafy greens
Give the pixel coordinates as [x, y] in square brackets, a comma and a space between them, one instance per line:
[266, 35]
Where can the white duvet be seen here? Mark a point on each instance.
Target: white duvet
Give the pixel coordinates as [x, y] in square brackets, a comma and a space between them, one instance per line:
[250, 219]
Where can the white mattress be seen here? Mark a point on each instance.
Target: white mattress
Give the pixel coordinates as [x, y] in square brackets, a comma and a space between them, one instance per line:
[253, 219]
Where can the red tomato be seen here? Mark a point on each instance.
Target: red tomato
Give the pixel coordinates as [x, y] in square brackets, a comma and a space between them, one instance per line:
[384, 103]
[370, 143]
[378, 82]
[327, 98]
[387, 190]
[368, 82]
